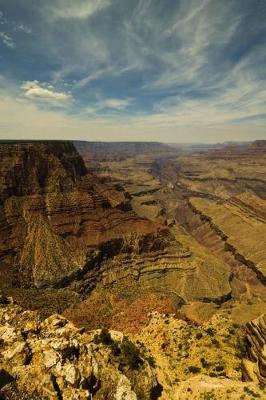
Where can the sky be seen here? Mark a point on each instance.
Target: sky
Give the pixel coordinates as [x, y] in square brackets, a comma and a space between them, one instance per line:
[149, 70]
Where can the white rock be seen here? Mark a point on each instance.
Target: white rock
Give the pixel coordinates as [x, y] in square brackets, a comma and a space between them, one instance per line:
[50, 358]
[16, 349]
[124, 391]
[8, 334]
[116, 336]
[71, 374]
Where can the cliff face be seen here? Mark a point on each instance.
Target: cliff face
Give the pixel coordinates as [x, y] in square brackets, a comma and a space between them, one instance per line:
[34, 176]
[57, 222]
[38, 167]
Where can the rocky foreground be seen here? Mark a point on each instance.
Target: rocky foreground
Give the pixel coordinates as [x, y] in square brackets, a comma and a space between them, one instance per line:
[54, 360]
[169, 359]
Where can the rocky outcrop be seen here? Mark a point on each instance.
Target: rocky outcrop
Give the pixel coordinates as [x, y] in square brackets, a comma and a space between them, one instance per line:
[54, 360]
[29, 168]
[255, 367]
[168, 359]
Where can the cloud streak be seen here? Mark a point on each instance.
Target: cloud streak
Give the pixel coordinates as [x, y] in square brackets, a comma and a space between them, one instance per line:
[155, 65]
[78, 9]
[7, 40]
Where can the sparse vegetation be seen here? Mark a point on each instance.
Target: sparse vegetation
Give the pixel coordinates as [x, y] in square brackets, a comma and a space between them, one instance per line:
[131, 354]
[210, 331]
[127, 351]
[241, 347]
[151, 361]
[104, 337]
[193, 369]
[250, 392]
[208, 396]
[215, 343]
[204, 363]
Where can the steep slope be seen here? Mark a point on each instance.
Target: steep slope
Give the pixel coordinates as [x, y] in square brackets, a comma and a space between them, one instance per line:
[255, 367]
[217, 196]
[53, 218]
[243, 228]
[62, 226]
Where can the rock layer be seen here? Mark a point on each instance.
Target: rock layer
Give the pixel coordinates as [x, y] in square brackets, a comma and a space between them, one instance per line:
[256, 344]
[56, 220]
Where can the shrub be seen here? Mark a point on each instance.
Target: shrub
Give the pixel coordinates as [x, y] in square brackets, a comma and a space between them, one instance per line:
[151, 361]
[131, 354]
[115, 349]
[219, 368]
[231, 330]
[215, 343]
[250, 392]
[193, 369]
[208, 396]
[241, 347]
[128, 352]
[210, 331]
[204, 363]
[104, 337]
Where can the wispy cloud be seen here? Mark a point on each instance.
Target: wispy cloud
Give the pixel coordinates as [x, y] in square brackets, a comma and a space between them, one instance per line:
[110, 104]
[22, 28]
[36, 91]
[158, 66]
[25, 120]
[80, 9]
[2, 18]
[7, 40]
[116, 104]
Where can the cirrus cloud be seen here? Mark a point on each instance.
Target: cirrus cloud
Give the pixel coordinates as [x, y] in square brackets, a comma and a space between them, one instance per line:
[80, 9]
[146, 67]
[7, 40]
[117, 104]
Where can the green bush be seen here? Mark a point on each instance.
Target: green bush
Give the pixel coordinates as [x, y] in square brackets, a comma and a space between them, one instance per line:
[151, 361]
[219, 368]
[104, 337]
[128, 352]
[193, 369]
[115, 349]
[204, 363]
[241, 347]
[210, 331]
[131, 354]
[215, 343]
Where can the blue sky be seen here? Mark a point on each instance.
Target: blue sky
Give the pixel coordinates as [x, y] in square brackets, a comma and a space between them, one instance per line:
[164, 70]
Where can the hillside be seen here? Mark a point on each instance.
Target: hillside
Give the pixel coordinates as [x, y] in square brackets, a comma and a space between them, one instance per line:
[164, 246]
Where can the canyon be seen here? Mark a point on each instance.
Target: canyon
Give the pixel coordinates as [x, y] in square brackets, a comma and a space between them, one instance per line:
[163, 243]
